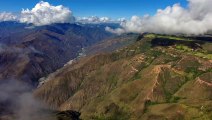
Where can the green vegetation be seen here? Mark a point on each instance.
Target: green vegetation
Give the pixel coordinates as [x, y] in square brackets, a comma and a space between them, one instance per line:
[149, 103]
[167, 37]
[199, 53]
[153, 82]
[115, 116]
[145, 46]
[112, 80]
[137, 76]
[174, 99]
[113, 112]
[193, 72]
[184, 48]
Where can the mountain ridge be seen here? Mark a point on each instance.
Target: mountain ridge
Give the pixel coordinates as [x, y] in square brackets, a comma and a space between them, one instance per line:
[140, 81]
[41, 50]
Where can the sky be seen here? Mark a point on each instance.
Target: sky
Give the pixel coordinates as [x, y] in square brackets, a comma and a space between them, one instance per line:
[84, 8]
[154, 16]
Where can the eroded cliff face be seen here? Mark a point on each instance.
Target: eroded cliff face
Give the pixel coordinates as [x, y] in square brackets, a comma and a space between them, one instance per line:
[146, 80]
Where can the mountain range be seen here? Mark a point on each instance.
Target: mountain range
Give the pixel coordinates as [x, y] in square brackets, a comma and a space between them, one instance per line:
[28, 53]
[155, 78]
[80, 71]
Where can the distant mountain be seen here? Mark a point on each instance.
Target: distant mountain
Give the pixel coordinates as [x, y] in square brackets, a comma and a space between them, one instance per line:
[28, 53]
[156, 77]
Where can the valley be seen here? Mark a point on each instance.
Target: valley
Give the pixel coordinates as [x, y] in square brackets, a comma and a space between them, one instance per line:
[70, 74]
[105, 60]
[33, 53]
[153, 78]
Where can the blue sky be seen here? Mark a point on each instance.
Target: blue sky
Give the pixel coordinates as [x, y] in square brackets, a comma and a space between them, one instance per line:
[110, 8]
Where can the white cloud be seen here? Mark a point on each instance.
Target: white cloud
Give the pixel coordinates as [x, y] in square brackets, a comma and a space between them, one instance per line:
[44, 14]
[94, 19]
[196, 19]
[88, 19]
[121, 19]
[118, 31]
[5, 16]
[104, 19]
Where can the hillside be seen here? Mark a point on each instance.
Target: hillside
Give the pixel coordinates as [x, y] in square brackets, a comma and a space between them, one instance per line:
[157, 77]
[28, 53]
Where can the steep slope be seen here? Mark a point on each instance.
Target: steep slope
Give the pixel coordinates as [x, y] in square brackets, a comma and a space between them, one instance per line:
[111, 44]
[28, 53]
[158, 77]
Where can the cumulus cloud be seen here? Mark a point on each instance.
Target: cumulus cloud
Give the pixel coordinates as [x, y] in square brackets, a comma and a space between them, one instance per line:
[105, 19]
[121, 19]
[196, 19]
[94, 19]
[7, 16]
[44, 14]
[118, 31]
